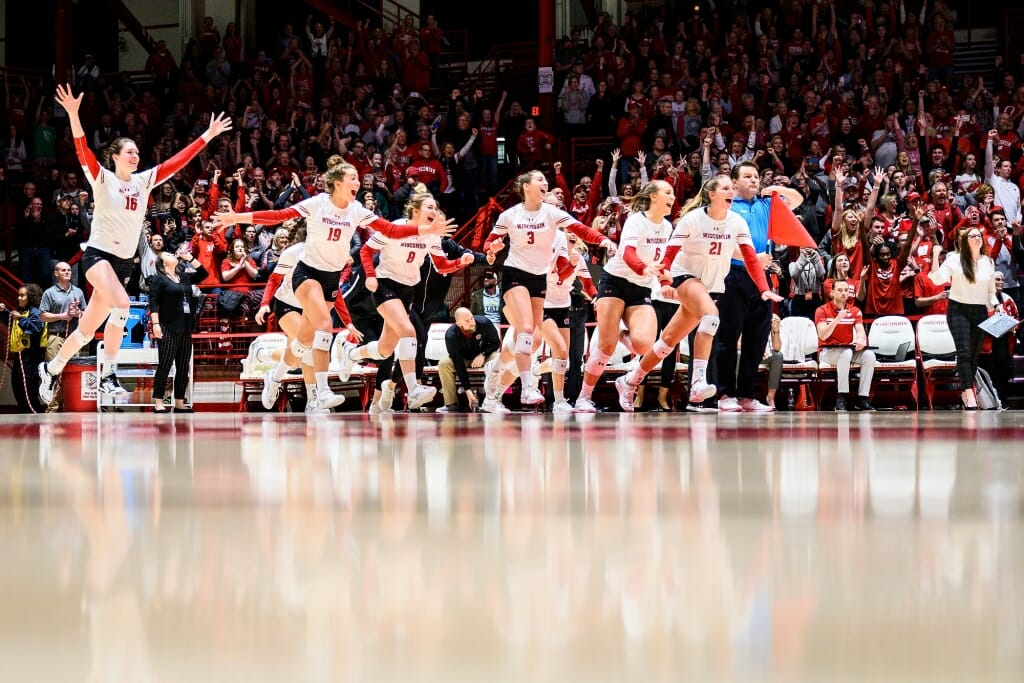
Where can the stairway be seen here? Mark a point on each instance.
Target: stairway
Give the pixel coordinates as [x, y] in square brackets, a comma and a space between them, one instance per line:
[975, 52]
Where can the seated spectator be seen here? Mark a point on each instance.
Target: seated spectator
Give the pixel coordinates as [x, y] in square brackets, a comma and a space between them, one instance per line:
[841, 341]
[486, 299]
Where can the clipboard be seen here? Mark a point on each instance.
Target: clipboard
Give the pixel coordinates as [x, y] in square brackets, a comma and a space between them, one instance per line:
[998, 324]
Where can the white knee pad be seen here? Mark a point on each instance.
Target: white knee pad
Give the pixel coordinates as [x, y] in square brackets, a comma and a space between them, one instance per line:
[307, 358]
[322, 340]
[524, 343]
[708, 325]
[299, 349]
[80, 338]
[406, 348]
[559, 366]
[118, 317]
[597, 362]
[661, 349]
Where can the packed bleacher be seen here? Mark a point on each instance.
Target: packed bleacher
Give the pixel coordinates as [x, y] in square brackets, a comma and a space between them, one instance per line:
[857, 106]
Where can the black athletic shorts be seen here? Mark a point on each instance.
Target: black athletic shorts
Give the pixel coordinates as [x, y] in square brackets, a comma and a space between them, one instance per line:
[680, 279]
[281, 309]
[328, 279]
[388, 289]
[122, 266]
[621, 288]
[559, 315]
[537, 285]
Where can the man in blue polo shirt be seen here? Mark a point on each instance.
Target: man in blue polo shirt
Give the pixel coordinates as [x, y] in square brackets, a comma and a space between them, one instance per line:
[740, 308]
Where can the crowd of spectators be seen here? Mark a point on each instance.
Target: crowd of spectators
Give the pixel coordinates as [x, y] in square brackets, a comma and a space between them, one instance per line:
[856, 105]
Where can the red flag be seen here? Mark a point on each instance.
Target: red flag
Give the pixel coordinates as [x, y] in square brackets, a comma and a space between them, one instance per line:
[785, 228]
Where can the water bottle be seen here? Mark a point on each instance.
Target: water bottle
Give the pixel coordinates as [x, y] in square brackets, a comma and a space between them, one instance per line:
[790, 399]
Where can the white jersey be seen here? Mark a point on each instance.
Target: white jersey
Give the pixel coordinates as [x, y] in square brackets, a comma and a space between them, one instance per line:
[120, 210]
[707, 246]
[531, 235]
[559, 291]
[329, 230]
[650, 240]
[285, 265]
[401, 258]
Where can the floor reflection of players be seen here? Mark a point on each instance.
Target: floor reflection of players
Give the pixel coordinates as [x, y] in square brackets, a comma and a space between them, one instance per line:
[116, 623]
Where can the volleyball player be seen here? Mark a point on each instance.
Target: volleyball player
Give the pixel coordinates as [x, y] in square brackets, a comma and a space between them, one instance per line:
[531, 227]
[707, 236]
[624, 291]
[391, 283]
[122, 199]
[331, 219]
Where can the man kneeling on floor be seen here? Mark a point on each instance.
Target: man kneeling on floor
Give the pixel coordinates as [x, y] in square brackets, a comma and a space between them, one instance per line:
[471, 341]
[841, 341]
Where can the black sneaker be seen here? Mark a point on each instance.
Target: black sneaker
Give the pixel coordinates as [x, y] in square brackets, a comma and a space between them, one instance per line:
[111, 387]
[863, 404]
[840, 403]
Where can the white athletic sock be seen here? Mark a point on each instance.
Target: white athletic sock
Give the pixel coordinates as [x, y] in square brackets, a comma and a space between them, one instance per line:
[700, 370]
[280, 370]
[586, 391]
[321, 382]
[410, 380]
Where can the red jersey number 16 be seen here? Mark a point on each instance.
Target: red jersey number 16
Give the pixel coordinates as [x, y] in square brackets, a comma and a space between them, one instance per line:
[131, 203]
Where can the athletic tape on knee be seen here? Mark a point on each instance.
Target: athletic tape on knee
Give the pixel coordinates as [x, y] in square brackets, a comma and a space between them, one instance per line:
[406, 348]
[708, 325]
[299, 349]
[307, 358]
[118, 317]
[559, 366]
[597, 362]
[322, 340]
[524, 343]
[661, 349]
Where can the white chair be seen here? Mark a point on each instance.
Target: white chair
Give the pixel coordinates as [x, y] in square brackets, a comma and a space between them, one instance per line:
[896, 363]
[260, 358]
[799, 353]
[937, 353]
[436, 350]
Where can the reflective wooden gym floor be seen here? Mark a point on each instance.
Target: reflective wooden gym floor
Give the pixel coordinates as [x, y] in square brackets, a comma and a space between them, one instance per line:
[651, 547]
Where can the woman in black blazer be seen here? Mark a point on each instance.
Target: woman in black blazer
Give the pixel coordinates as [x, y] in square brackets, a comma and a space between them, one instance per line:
[170, 306]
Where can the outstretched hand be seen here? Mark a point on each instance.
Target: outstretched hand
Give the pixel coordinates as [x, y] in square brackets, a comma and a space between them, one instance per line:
[66, 99]
[769, 295]
[224, 218]
[439, 226]
[221, 123]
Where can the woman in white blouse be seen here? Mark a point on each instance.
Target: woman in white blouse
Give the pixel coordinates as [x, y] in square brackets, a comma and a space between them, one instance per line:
[971, 299]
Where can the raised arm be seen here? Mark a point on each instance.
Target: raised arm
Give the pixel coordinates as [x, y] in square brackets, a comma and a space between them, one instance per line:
[71, 105]
[221, 123]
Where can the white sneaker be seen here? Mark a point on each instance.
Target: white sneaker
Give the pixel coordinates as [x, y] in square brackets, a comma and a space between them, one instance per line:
[110, 386]
[562, 406]
[531, 396]
[585, 405]
[494, 405]
[752, 405]
[271, 390]
[313, 409]
[420, 395]
[47, 382]
[627, 394]
[347, 361]
[328, 399]
[699, 408]
[727, 404]
[387, 396]
[492, 377]
[701, 391]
